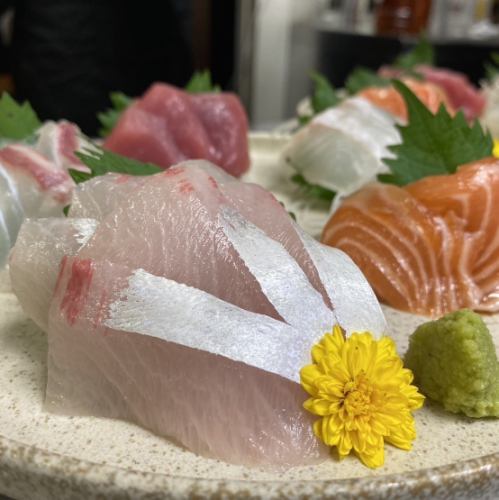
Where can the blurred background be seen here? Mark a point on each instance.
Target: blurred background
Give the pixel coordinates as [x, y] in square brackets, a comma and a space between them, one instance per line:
[66, 56]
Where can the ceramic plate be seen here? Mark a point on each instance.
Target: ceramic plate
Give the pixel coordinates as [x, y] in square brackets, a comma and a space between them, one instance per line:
[46, 456]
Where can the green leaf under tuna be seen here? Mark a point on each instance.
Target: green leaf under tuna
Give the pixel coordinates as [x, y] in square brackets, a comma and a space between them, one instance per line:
[17, 121]
[422, 53]
[110, 117]
[361, 78]
[201, 82]
[101, 162]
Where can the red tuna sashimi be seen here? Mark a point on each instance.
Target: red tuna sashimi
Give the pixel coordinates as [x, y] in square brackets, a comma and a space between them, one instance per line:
[461, 92]
[168, 125]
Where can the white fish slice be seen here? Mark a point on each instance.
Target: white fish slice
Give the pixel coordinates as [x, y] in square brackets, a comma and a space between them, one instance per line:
[342, 148]
[34, 264]
[193, 319]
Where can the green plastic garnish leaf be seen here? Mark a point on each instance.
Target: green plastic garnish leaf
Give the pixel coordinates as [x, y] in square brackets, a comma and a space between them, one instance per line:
[433, 144]
[324, 96]
[101, 162]
[361, 78]
[201, 82]
[313, 190]
[17, 121]
[110, 117]
[422, 53]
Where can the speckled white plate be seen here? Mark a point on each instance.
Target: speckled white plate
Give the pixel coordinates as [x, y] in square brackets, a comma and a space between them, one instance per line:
[46, 456]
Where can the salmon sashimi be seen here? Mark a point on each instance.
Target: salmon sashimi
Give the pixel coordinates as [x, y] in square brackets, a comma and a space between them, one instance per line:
[188, 306]
[430, 247]
[390, 100]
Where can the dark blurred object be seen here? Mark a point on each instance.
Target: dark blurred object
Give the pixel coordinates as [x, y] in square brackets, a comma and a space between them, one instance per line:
[68, 55]
[402, 17]
[339, 53]
[6, 82]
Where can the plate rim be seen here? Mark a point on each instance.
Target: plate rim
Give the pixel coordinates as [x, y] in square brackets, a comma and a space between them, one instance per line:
[34, 469]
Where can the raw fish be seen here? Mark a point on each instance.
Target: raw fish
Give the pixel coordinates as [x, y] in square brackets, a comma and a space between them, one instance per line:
[342, 148]
[388, 98]
[462, 94]
[431, 247]
[189, 309]
[34, 180]
[167, 126]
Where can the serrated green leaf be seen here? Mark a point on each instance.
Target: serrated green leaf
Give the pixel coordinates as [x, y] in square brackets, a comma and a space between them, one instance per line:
[433, 144]
[361, 78]
[422, 53]
[313, 190]
[17, 121]
[324, 95]
[101, 162]
[201, 82]
[110, 117]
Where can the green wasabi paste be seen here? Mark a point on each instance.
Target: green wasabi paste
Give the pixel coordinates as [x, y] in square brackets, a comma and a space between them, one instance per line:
[454, 361]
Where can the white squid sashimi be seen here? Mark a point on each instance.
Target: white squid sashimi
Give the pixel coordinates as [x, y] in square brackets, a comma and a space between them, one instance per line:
[182, 310]
[343, 147]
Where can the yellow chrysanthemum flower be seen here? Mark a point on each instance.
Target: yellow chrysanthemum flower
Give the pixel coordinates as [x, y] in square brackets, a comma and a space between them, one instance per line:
[363, 393]
[495, 151]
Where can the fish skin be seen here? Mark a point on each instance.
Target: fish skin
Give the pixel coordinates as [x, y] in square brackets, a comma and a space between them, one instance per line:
[430, 247]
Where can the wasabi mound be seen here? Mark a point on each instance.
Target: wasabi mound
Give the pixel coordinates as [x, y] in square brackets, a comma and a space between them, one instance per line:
[454, 362]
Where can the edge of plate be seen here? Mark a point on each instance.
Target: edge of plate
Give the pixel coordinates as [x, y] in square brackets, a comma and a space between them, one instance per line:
[30, 472]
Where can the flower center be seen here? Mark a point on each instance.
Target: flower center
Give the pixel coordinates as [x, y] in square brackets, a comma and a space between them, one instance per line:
[357, 396]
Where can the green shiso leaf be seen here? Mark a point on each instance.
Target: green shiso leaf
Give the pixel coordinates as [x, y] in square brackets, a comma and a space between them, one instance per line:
[313, 190]
[17, 121]
[422, 53]
[101, 162]
[433, 144]
[110, 117]
[201, 82]
[361, 78]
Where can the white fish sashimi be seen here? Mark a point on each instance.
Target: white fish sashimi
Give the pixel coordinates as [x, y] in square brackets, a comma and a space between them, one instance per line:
[186, 313]
[11, 214]
[42, 245]
[58, 141]
[343, 147]
[34, 180]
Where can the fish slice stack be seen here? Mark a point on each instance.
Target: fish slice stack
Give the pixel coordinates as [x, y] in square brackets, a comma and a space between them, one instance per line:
[187, 302]
[34, 180]
[168, 125]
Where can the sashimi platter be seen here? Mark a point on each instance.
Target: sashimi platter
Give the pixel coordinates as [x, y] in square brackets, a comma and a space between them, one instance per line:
[191, 309]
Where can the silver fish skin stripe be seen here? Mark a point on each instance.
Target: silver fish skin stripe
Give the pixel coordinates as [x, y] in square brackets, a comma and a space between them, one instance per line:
[281, 278]
[355, 305]
[162, 308]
